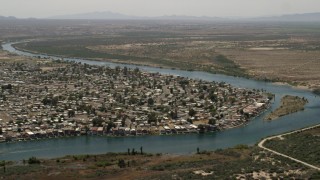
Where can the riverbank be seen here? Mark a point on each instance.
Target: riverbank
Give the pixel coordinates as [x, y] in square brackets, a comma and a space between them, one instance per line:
[163, 63]
[294, 86]
[118, 61]
[289, 104]
[70, 99]
[253, 76]
[249, 134]
[240, 162]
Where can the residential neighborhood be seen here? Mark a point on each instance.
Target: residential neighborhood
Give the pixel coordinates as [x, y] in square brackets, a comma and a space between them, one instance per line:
[49, 99]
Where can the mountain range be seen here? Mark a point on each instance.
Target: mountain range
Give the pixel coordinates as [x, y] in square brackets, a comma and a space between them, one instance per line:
[7, 18]
[306, 17]
[118, 16]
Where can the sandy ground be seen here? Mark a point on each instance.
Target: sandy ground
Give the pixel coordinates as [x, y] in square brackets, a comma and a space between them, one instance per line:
[300, 68]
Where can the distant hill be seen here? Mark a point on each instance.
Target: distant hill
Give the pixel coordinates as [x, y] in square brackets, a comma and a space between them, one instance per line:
[117, 16]
[175, 17]
[7, 18]
[95, 15]
[307, 17]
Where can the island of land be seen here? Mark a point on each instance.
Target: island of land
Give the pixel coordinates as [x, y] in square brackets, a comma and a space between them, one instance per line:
[46, 99]
[289, 104]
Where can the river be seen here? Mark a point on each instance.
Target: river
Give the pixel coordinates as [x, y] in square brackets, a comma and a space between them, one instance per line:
[175, 144]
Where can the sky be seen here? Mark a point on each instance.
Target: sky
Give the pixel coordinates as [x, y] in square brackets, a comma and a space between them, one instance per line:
[213, 8]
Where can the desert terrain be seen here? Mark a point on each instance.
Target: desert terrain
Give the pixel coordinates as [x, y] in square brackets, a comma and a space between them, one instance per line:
[241, 162]
[271, 51]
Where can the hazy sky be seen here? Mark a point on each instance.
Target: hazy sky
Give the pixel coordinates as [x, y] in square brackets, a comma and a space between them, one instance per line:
[221, 8]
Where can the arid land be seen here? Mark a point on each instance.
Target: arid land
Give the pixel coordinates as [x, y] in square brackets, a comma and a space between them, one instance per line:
[278, 52]
[302, 145]
[240, 162]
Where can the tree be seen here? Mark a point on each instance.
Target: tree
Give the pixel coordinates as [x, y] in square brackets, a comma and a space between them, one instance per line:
[212, 121]
[192, 112]
[4, 98]
[125, 70]
[152, 117]
[121, 163]
[110, 125]
[136, 70]
[213, 112]
[232, 100]
[50, 101]
[103, 108]
[71, 113]
[213, 97]
[174, 114]
[33, 160]
[97, 121]
[150, 102]
[133, 100]
[86, 128]
[9, 86]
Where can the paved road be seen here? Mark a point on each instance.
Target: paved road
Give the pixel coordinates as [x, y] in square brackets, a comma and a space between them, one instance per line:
[286, 156]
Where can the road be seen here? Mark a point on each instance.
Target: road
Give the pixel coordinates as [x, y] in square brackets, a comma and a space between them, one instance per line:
[286, 156]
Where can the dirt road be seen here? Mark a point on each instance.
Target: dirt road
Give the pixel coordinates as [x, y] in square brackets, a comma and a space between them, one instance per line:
[286, 156]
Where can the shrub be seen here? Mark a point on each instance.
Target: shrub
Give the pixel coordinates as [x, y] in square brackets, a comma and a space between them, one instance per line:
[33, 160]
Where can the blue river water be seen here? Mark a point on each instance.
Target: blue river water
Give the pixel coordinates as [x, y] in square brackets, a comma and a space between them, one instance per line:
[175, 144]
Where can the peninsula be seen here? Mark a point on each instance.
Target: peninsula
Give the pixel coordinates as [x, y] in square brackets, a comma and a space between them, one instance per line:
[46, 99]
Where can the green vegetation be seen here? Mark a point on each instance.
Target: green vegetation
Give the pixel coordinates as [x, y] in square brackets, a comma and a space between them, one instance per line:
[241, 161]
[104, 163]
[316, 91]
[304, 146]
[137, 48]
[20, 170]
[2, 163]
[228, 66]
[33, 160]
[232, 163]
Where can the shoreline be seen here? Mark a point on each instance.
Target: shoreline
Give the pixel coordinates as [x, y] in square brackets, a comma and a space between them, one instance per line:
[116, 61]
[205, 128]
[279, 83]
[288, 105]
[190, 136]
[109, 135]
